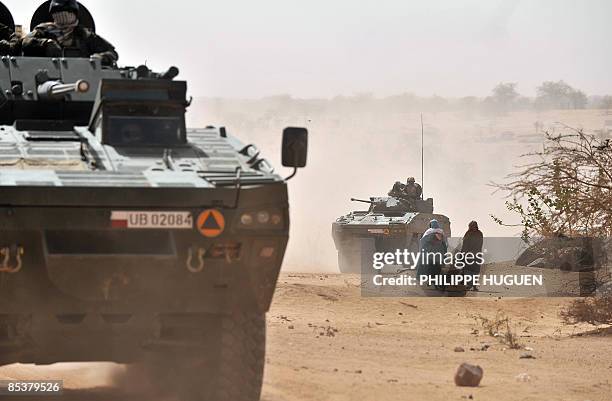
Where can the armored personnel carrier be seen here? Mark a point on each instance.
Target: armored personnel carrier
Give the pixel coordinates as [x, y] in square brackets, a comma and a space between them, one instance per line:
[125, 236]
[389, 224]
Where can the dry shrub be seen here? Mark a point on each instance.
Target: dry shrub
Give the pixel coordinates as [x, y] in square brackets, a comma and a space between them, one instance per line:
[500, 328]
[593, 310]
[565, 189]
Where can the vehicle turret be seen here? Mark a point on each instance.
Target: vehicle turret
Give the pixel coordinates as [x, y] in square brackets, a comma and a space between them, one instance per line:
[389, 224]
[392, 204]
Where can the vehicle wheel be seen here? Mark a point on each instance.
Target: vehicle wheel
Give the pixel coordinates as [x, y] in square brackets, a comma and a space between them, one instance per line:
[343, 264]
[355, 257]
[243, 349]
[349, 261]
[456, 291]
[14, 337]
[231, 369]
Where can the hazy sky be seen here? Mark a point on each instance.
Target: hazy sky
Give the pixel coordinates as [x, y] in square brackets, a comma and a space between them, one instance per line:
[308, 48]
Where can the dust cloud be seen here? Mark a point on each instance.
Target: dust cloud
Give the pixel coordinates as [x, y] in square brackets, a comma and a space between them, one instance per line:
[359, 148]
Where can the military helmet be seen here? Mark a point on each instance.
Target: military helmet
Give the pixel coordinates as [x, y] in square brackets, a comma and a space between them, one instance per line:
[43, 13]
[411, 180]
[63, 5]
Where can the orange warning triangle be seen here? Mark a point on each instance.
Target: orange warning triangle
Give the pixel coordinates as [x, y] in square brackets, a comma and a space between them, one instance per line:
[211, 223]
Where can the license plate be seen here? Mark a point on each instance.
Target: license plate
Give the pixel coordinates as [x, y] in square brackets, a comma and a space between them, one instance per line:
[382, 231]
[154, 220]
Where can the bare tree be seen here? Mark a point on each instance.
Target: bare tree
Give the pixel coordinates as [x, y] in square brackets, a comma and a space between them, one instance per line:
[565, 189]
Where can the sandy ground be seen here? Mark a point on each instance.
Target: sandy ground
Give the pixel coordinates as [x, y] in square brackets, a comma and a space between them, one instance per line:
[403, 348]
[326, 342]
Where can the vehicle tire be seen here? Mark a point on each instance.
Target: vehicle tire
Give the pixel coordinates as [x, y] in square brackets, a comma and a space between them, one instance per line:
[15, 342]
[456, 291]
[243, 349]
[355, 257]
[349, 261]
[344, 264]
[230, 370]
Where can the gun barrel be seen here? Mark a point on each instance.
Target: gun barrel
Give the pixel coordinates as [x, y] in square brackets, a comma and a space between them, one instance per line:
[58, 89]
[361, 200]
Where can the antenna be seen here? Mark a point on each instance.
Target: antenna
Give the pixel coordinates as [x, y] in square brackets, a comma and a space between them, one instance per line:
[422, 159]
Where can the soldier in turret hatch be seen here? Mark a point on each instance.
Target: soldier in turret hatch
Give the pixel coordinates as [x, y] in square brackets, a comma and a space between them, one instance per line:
[412, 190]
[10, 42]
[398, 191]
[64, 37]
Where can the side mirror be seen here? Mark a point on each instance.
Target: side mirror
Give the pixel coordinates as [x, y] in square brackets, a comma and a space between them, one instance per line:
[295, 147]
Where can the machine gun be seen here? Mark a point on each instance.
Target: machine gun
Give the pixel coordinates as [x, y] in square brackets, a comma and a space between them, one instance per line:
[49, 89]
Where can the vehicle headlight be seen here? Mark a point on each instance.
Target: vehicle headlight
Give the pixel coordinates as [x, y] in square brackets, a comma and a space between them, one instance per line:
[277, 219]
[263, 217]
[246, 219]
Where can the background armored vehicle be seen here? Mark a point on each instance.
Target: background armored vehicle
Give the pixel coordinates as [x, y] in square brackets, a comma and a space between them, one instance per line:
[125, 236]
[390, 223]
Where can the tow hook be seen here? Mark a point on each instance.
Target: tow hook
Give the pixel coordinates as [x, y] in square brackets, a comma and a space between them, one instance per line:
[201, 252]
[5, 253]
[228, 256]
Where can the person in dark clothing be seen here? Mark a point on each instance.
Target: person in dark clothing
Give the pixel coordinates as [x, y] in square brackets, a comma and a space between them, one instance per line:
[10, 42]
[398, 190]
[472, 244]
[64, 37]
[412, 189]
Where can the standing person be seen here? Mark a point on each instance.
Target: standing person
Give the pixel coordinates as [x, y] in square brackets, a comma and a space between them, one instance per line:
[433, 246]
[472, 243]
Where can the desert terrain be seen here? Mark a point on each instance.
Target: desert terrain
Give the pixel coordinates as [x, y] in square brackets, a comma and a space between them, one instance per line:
[327, 342]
